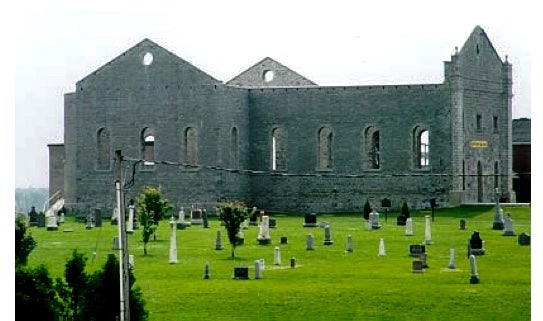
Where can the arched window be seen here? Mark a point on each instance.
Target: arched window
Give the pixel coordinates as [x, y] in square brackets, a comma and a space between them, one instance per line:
[421, 147]
[325, 160]
[148, 147]
[103, 147]
[372, 146]
[234, 147]
[191, 146]
[279, 154]
[496, 175]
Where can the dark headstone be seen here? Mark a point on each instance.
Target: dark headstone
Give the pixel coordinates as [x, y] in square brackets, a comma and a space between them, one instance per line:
[204, 218]
[462, 224]
[292, 262]
[284, 240]
[310, 220]
[41, 219]
[417, 249]
[416, 266]
[33, 217]
[400, 220]
[196, 216]
[272, 222]
[97, 217]
[241, 273]
[385, 202]
[523, 239]
[476, 244]
[253, 219]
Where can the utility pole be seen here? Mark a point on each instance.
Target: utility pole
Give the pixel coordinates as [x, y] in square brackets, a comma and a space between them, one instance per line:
[123, 246]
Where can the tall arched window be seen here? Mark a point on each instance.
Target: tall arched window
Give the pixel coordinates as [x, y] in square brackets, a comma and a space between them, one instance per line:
[234, 147]
[496, 175]
[148, 147]
[279, 154]
[372, 147]
[103, 147]
[421, 147]
[325, 160]
[191, 146]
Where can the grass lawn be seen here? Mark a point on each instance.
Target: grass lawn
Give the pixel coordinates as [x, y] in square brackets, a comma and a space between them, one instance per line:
[327, 283]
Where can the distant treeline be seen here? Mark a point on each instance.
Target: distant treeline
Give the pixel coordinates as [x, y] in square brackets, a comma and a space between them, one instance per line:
[25, 198]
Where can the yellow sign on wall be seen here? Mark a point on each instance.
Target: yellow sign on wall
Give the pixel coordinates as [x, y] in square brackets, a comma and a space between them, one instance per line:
[478, 144]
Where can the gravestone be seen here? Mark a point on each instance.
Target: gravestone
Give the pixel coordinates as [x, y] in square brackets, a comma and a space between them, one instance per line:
[97, 217]
[349, 246]
[310, 220]
[462, 224]
[181, 223]
[218, 241]
[508, 226]
[240, 238]
[452, 264]
[41, 219]
[386, 204]
[422, 258]
[241, 273]
[416, 266]
[258, 270]
[52, 223]
[262, 264]
[382, 251]
[115, 216]
[523, 239]
[327, 235]
[409, 227]
[428, 231]
[476, 244]
[253, 219]
[309, 242]
[401, 220]
[416, 250]
[497, 224]
[131, 263]
[375, 224]
[173, 241]
[204, 218]
[474, 277]
[89, 221]
[207, 272]
[60, 214]
[130, 223]
[33, 217]
[277, 256]
[264, 234]
[284, 240]
[244, 225]
[272, 222]
[196, 216]
[293, 262]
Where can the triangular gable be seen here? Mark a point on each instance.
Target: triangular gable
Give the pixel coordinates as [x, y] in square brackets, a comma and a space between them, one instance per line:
[270, 73]
[150, 59]
[477, 42]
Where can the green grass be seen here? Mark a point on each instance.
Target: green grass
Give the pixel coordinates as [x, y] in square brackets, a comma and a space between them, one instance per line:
[328, 283]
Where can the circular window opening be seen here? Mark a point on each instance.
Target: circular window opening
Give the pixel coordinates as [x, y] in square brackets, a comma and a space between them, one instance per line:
[147, 59]
[268, 75]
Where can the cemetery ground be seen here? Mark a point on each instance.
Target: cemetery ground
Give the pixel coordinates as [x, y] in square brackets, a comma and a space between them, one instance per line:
[327, 283]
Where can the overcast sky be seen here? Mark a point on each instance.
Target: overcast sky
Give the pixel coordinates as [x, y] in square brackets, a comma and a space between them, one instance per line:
[331, 43]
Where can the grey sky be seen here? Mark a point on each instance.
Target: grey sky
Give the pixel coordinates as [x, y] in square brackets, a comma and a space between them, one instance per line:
[331, 43]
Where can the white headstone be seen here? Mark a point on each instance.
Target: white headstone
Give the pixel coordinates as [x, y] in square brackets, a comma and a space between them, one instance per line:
[181, 217]
[428, 231]
[173, 241]
[375, 224]
[258, 270]
[409, 226]
[382, 251]
[130, 225]
[309, 242]
[327, 235]
[508, 226]
[218, 241]
[264, 234]
[262, 264]
[349, 246]
[474, 278]
[452, 264]
[131, 264]
[277, 256]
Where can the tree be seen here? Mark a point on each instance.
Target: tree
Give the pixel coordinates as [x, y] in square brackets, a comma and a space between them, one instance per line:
[367, 210]
[77, 279]
[233, 214]
[24, 244]
[35, 296]
[152, 205]
[102, 295]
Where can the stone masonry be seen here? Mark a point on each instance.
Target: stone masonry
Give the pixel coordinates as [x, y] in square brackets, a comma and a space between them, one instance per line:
[282, 143]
